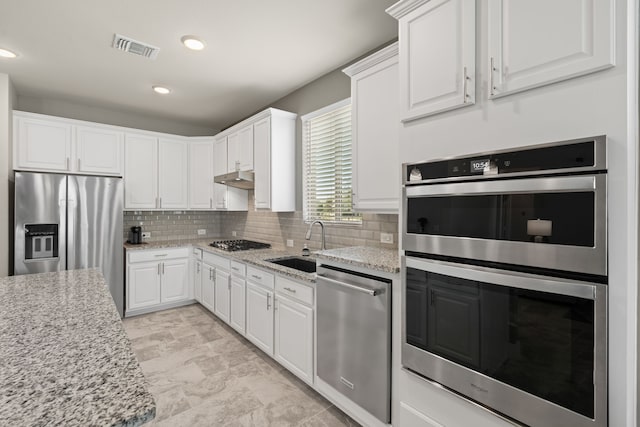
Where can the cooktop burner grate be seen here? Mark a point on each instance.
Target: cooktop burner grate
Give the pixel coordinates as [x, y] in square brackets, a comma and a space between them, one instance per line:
[238, 245]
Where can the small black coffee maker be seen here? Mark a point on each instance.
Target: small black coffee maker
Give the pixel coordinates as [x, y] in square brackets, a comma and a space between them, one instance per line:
[135, 235]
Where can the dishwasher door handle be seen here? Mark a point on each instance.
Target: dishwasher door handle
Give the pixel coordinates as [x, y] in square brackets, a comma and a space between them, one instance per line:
[372, 292]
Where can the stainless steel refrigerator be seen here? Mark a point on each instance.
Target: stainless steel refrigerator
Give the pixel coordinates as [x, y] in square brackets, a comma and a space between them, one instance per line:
[68, 222]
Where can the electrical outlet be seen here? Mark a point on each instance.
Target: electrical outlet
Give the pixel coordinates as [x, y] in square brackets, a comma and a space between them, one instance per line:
[202, 232]
[146, 234]
[386, 238]
[289, 243]
[234, 233]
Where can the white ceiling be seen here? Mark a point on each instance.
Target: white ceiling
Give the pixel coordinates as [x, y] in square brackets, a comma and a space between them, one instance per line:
[257, 51]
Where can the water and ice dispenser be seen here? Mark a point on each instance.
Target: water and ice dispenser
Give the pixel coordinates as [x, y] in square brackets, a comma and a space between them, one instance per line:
[41, 241]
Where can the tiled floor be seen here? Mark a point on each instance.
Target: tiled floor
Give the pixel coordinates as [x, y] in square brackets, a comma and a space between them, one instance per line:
[202, 373]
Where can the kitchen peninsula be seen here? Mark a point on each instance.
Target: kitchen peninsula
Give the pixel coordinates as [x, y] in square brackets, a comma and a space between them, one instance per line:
[64, 357]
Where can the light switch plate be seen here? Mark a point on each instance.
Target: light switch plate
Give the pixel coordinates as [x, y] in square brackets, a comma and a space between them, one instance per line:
[386, 238]
[202, 232]
[289, 243]
[146, 234]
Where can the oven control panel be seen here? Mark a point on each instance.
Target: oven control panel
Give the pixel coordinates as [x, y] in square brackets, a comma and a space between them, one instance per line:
[586, 154]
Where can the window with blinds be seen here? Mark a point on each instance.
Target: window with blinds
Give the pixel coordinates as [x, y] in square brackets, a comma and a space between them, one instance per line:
[327, 165]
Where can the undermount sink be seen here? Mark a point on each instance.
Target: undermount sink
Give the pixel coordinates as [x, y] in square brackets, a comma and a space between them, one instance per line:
[300, 264]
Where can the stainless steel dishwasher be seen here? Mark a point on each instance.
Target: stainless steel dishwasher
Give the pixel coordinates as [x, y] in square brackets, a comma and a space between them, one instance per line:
[354, 337]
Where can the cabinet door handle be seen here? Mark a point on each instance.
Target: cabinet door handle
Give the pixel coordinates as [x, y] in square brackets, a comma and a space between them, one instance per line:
[161, 255]
[268, 301]
[158, 269]
[156, 202]
[160, 201]
[255, 276]
[492, 68]
[210, 203]
[198, 268]
[465, 79]
[79, 168]
[163, 268]
[67, 163]
[293, 291]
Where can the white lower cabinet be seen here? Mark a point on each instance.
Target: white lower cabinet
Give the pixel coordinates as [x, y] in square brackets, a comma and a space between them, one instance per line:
[156, 280]
[143, 285]
[237, 310]
[197, 280]
[260, 317]
[410, 416]
[294, 337]
[174, 280]
[222, 295]
[208, 286]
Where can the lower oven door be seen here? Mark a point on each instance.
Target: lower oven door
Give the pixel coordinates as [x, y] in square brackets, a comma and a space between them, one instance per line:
[554, 223]
[531, 347]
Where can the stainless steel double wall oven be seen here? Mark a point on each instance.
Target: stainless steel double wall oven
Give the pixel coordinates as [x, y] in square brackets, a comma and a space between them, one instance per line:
[504, 276]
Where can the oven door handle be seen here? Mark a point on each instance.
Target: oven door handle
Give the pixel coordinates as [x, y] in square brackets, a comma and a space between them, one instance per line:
[511, 279]
[556, 184]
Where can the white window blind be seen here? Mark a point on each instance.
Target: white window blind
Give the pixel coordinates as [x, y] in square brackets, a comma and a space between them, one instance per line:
[327, 165]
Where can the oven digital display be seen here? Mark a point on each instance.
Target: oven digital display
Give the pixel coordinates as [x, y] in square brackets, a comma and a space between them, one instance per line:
[479, 165]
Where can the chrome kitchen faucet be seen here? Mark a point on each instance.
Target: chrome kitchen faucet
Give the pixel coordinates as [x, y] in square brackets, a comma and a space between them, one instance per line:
[308, 236]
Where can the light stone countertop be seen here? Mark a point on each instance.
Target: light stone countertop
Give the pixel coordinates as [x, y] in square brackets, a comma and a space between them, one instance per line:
[372, 258]
[64, 357]
[379, 259]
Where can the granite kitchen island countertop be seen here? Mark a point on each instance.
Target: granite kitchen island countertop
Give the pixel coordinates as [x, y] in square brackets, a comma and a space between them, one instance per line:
[64, 357]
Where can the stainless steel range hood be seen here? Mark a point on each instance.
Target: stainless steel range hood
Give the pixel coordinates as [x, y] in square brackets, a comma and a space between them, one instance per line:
[239, 179]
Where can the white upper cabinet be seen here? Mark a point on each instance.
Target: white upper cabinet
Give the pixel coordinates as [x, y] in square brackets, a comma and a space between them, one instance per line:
[274, 161]
[99, 150]
[173, 174]
[201, 174]
[224, 197]
[141, 172]
[245, 155]
[233, 152]
[41, 144]
[536, 43]
[220, 156]
[53, 144]
[156, 172]
[437, 55]
[240, 150]
[375, 132]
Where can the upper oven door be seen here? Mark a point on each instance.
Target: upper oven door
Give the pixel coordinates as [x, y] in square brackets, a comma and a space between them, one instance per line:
[556, 223]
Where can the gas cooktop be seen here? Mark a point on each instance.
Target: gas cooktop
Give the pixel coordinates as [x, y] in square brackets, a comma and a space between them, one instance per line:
[238, 245]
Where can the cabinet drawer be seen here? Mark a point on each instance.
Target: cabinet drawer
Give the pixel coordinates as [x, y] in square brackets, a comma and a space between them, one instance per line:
[216, 260]
[294, 290]
[260, 277]
[197, 253]
[157, 254]
[238, 268]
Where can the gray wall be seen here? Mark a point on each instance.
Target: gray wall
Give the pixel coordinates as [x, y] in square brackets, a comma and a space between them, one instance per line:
[7, 99]
[110, 116]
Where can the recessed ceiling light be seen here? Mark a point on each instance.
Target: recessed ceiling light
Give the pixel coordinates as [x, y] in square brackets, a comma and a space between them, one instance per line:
[162, 90]
[192, 42]
[7, 53]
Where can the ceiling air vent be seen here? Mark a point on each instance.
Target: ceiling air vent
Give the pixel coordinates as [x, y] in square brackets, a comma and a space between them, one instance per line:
[133, 46]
